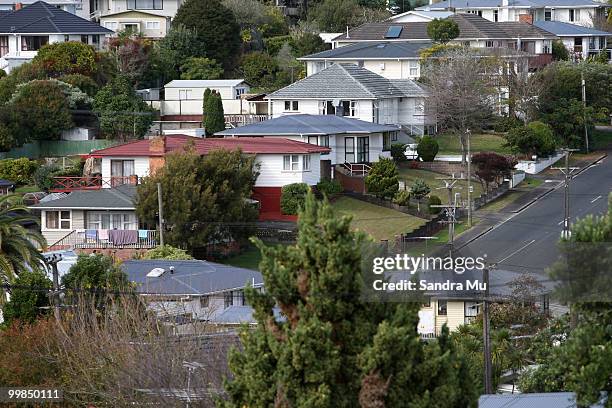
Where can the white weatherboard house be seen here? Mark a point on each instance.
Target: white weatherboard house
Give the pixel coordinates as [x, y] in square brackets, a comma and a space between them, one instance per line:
[581, 42]
[348, 90]
[23, 32]
[185, 97]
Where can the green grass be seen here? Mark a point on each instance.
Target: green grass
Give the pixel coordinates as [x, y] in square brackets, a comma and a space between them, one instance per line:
[27, 189]
[449, 144]
[431, 178]
[600, 140]
[248, 259]
[530, 183]
[379, 222]
[501, 203]
[440, 239]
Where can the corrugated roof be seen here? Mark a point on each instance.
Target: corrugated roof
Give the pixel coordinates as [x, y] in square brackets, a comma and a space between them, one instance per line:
[192, 277]
[364, 50]
[302, 124]
[43, 18]
[346, 81]
[471, 4]
[562, 29]
[205, 83]
[249, 145]
[118, 198]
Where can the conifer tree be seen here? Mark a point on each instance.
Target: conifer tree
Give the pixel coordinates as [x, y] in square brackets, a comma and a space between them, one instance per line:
[331, 348]
[214, 119]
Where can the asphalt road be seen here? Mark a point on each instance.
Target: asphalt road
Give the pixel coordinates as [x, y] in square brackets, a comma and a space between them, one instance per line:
[527, 242]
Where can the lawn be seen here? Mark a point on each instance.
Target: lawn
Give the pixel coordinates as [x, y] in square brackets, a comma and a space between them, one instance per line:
[437, 240]
[449, 144]
[26, 189]
[431, 178]
[248, 259]
[380, 222]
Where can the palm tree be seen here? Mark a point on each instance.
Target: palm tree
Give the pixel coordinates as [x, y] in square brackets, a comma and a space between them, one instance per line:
[18, 245]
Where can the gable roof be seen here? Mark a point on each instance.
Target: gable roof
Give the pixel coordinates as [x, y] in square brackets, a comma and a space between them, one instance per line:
[43, 18]
[302, 124]
[474, 4]
[346, 81]
[203, 83]
[191, 277]
[117, 198]
[517, 29]
[377, 50]
[562, 29]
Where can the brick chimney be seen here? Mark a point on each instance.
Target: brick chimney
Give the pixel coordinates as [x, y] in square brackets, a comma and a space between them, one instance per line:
[526, 18]
[18, 6]
[157, 149]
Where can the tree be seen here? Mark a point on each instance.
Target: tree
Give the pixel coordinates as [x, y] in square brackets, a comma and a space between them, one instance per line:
[82, 82]
[559, 52]
[534, 139]
[216, 29]
[427, 148]
[201, 68]
[492, 167]
[214, 119]
[419, 190]
[306, 44]
[42, 109]
[19, 170]
[333, 348]
[461, 94]
[122, 113]
[398, 152]
[259, 69]
[23, 73]
[28, 297]
[167, 252]
[293, 197]
[335, 15]
[204, 197]
[131, 52]
[442, 30]
[67, 58]
[382, 179]
[95, 271]
[170, 52]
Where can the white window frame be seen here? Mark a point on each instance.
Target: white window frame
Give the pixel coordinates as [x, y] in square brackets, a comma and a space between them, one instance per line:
[60, 219]
[239, 92]
[292, 106]
[291, 162]
[152, 25]
[111, 25]
[549, 12]
[128, 219]
[306, 162]
[496, 15]
[185, 94]
[413, 68]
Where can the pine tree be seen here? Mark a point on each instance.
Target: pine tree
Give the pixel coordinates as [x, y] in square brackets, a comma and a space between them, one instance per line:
[214, 119]
[332, 348]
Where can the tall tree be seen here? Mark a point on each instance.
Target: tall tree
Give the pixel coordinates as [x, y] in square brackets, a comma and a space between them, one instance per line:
[442, 30]
[131, 53]
[214, 121]
[332, 348]
[216, 29]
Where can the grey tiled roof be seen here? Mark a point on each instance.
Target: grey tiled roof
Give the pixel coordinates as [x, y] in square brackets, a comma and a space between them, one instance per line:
[383, 49]
[346, 81]
[471, 4]
[289, 125]
[121, 197]
[535, 400]
[43, 18]
[560, 28]
[525, 31]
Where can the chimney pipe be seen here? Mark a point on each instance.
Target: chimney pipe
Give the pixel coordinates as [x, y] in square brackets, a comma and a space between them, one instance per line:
[18, 6]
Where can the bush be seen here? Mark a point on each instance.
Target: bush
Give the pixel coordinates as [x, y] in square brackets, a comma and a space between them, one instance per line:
[329, 187]
[273, 45]
[427, 148]
[504, 124]
[397, 152]
[167, 252]
[27, 300]
[19, 170]
[43, 176]
[434, 200]
[84, 83]
[537, 138]
[402, 198]
[65, 58]
[293, 197]
[382, 180]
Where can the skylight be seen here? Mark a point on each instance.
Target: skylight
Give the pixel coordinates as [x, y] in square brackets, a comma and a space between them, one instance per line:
[156, 273]
[394, 32]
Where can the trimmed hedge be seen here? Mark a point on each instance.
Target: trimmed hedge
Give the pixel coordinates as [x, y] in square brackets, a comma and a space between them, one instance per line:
[427, 148]
[293, 197]
[19, 171]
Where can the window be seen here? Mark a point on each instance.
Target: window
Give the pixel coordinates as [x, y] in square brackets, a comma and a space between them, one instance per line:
[324, 141]
[204, 301]
[386, 141]
[394, 136]
[122, 168]
[4, 47]
[349, 149]
[152, 25]
[111, 25]
[145, 4]
[66, 38]
[574, 15]
[131, 28]
[33, 42]
[291, 105]
[413, 68]
[313, 140]
[85, 39]
[228, 299]
[57, 220]
[306, 162]
[233, 298]
[95, 39]
[111, 220]
[349, 108]
[184, 94]
[363, 149]
[547, 15]
[471, 311]
[291, 162]
[496, 15]
[489, 44]
[442, 307]
[240, 92]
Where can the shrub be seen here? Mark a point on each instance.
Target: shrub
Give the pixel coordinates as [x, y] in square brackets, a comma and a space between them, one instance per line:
[419, 189]
[84, 83]
[273, 45]
[382, 180]
[434, 200]
[19, 170]
[293, 197]
[27, 300]
[167, 252]
[65, 58]
[329, 187]
[43, 176]
[427, 148]
[504, 124]
[536, 138]
[397, 152]
[402, 197]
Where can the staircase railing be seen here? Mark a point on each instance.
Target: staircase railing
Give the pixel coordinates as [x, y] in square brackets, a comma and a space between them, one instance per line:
[357, 169]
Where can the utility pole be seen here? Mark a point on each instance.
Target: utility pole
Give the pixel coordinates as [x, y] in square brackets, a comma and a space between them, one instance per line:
[451, 207]
[584, 119]
[160, 212]
[567, 172]
[486, 334]
[52, 261]
[469, 178]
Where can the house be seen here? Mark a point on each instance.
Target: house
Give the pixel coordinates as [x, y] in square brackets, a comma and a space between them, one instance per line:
[24, 31]
[349, 90]
[77, 7]
[280, 161]
[6, 187]
[149, 18]
[419, 16]
[581, 42]
[93, 219]
[581, 12]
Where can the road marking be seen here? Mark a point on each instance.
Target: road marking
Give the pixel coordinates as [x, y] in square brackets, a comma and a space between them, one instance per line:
[595, 199]
[560, 222]
[518, 250]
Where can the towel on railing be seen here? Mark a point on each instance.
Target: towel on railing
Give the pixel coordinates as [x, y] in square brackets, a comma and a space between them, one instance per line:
[103, 234]
[143, 234]
[123, 237]
[91, 234]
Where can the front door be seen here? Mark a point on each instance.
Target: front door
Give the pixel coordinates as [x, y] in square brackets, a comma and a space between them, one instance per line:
[349, 149]
[363, 149]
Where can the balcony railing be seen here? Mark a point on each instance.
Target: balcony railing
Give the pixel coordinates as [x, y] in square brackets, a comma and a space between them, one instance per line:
[117, 239]
[68, 184]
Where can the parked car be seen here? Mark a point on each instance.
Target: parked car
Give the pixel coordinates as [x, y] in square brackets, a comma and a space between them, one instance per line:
[411, 151]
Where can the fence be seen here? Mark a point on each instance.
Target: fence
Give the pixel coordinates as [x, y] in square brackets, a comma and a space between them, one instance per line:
[56, 148]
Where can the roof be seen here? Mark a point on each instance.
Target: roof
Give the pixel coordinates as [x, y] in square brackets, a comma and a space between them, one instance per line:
[562, 29]
[192, 277]
[517, 29]
[6, 183]
[423, 13]
[204, 83]
[303, 124]
[378, 50]
[540, 400]
[43, 18]
[472, 4]
[346, 81]
[248, 145]
[117, 198]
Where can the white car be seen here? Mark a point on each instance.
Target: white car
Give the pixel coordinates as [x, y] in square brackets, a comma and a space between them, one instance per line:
[411, 151]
